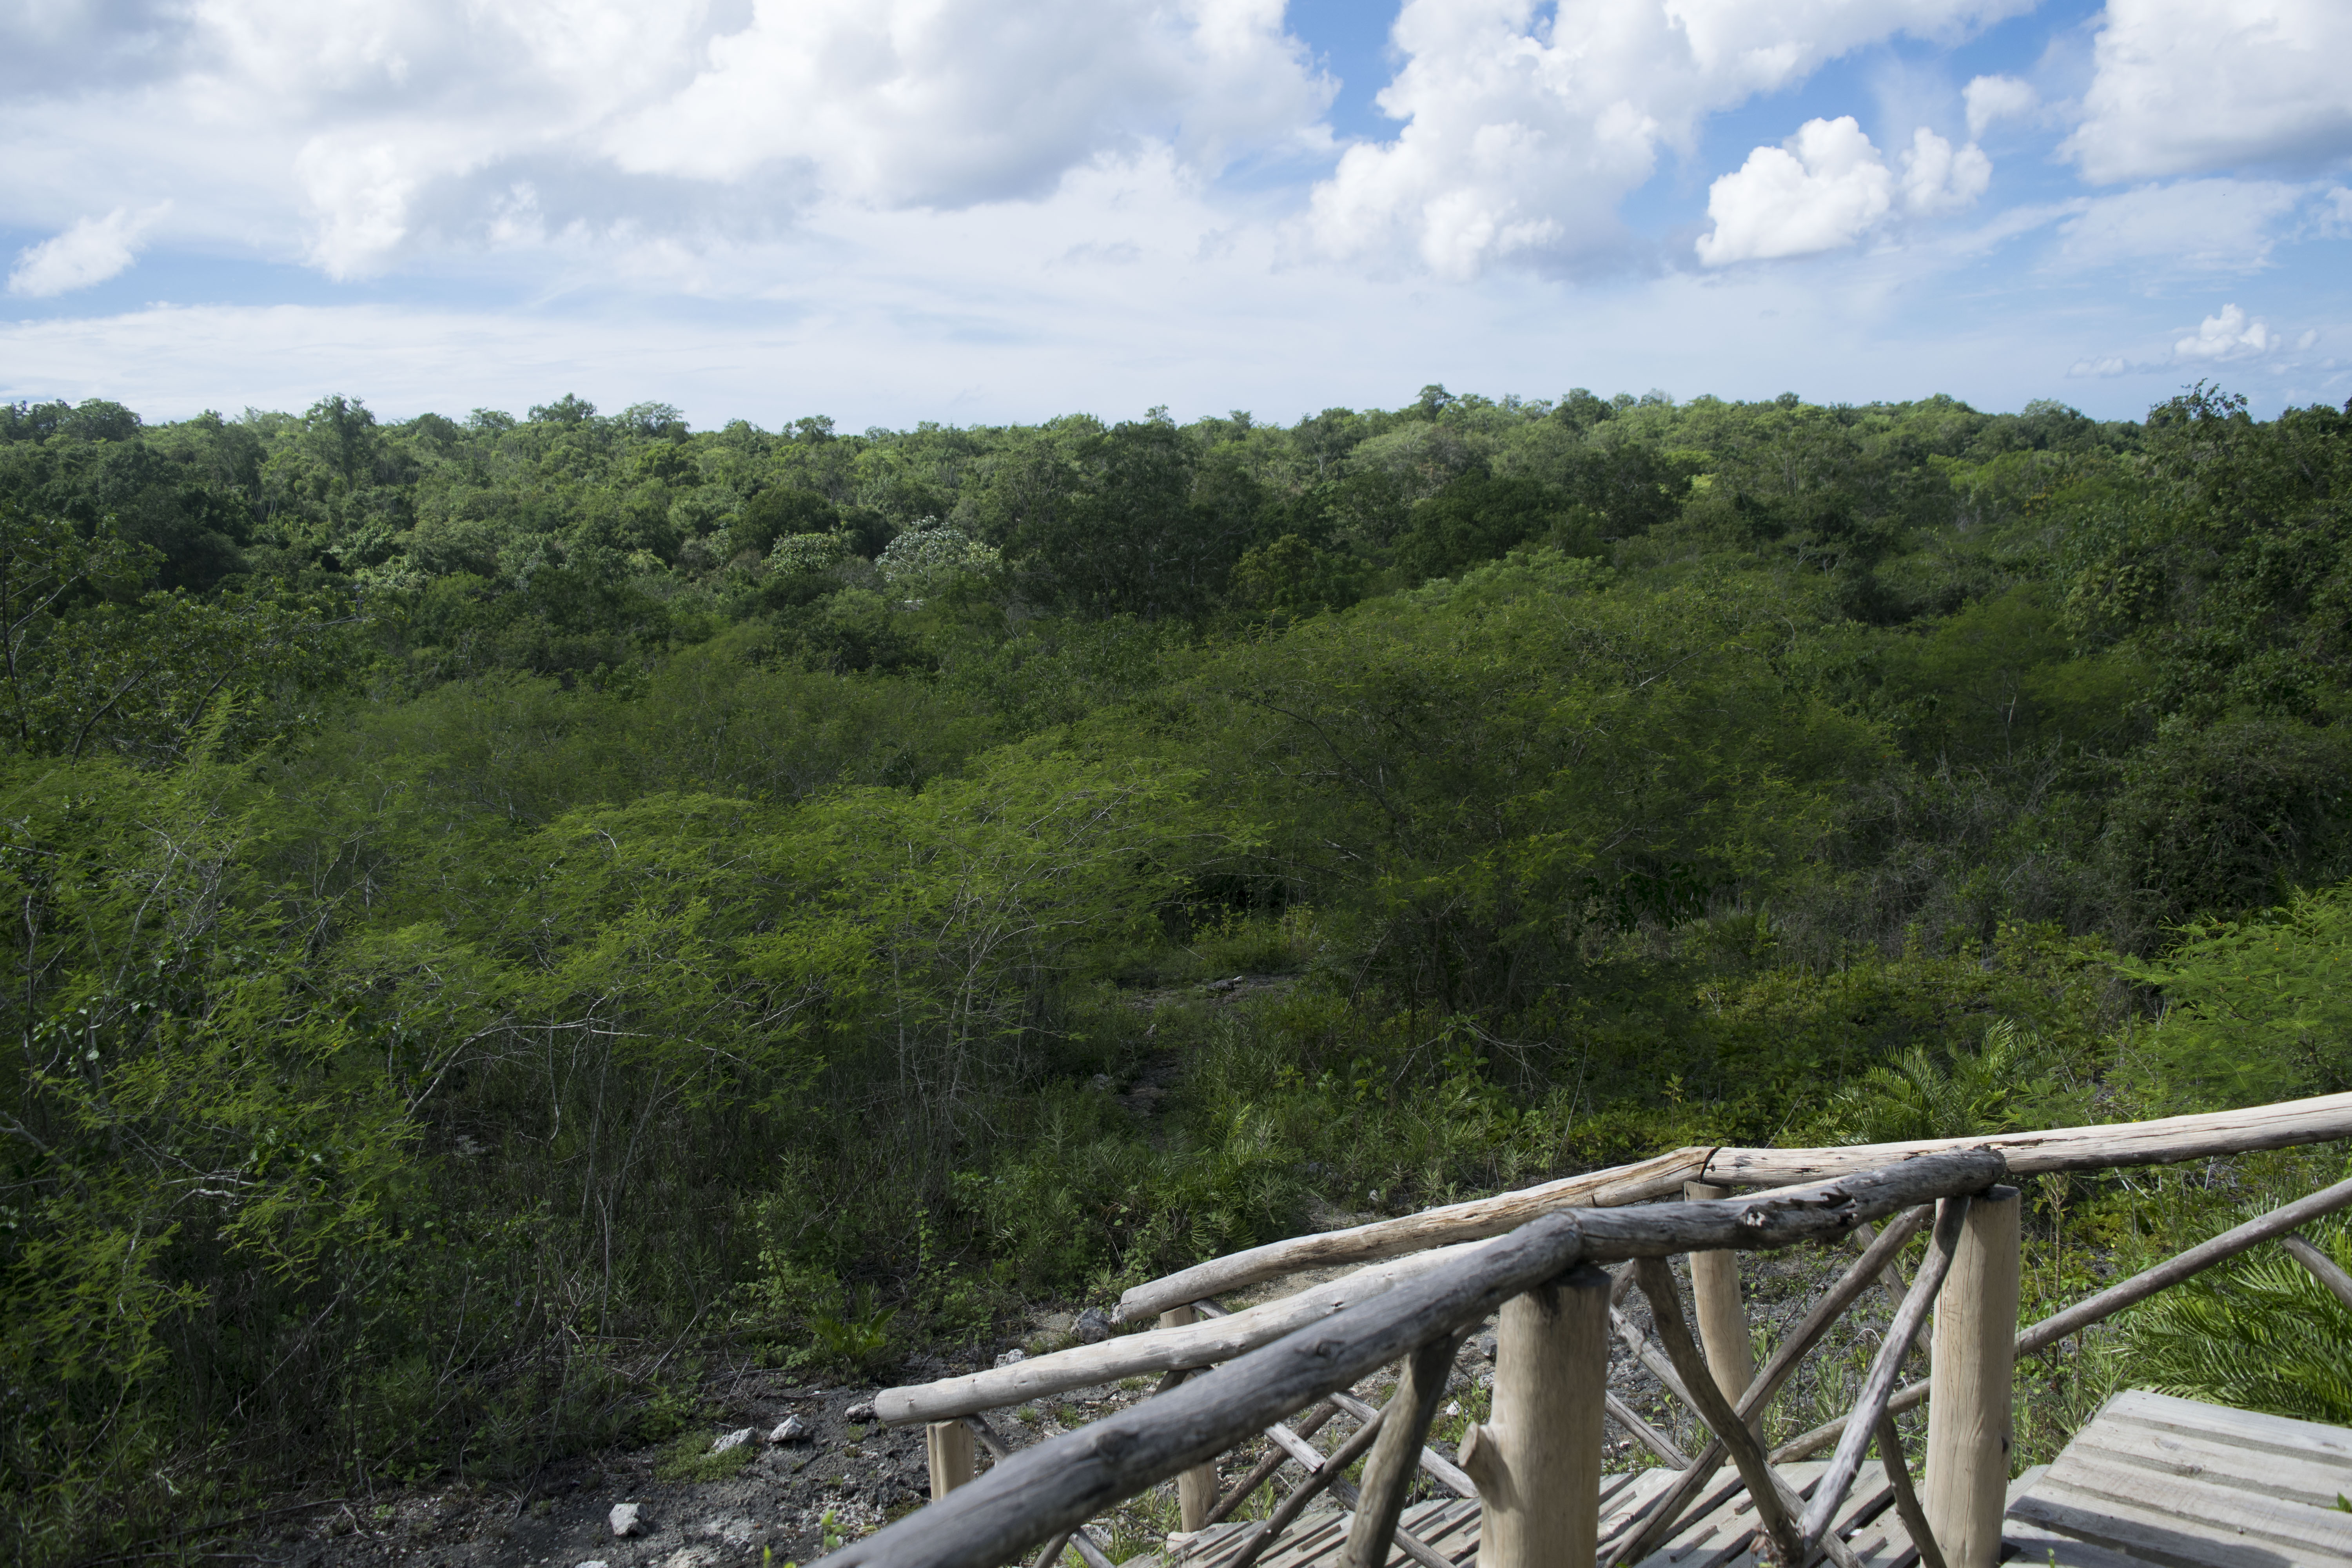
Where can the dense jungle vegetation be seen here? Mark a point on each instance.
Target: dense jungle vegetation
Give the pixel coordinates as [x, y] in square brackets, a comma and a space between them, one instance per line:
[504, 912]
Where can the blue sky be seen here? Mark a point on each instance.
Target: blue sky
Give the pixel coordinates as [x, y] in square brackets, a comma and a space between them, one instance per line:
[896, 210]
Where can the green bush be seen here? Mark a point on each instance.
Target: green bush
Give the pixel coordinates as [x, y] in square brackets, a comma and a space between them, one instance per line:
[2255, 1010]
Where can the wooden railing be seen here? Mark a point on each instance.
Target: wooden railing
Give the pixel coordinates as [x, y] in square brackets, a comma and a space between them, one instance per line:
[1531, 1258]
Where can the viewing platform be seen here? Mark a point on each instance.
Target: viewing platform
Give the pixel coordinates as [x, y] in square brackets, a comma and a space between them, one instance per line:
[1244, 1394]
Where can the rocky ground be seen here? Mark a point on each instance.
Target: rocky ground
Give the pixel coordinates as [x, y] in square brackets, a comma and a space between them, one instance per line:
[835, 1474]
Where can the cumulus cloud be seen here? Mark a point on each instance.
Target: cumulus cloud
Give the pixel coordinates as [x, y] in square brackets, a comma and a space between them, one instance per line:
[921, 102]
[1827, 186]
[91, 251]
[1996, 97]
[2231, 337]
[1524, 130]
[2228, 336]
[493, 121]
[1940, 178]
[2184, 87]
[1820, 191]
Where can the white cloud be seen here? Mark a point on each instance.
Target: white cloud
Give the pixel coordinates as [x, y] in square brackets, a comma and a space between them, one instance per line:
[2193, 86]
[1822, 191]
[2205, 226]
[1826, 186]
[91, 251]
[2228, 336]
[1996, 97]
[2335, 214]
[488, 123]
[1523, 132]
[949, 102]
[1940, 178]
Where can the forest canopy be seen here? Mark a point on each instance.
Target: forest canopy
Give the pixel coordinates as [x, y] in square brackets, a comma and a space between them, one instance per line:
[492, 895]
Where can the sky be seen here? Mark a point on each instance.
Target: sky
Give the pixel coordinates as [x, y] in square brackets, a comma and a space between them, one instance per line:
[979, 211]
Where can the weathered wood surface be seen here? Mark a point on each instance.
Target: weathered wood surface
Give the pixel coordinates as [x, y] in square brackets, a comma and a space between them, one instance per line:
[2150, 1480]
[2158, 1143]
[2161, 1143]
[1973, 1384]
[1196, 1488]
[1785, 1216]
[1657, 1283]
[1897, 1471]
[1800, 1342]
[1391, 1468]
[1070, 1478]
[1193, 1345]
[1536, 1458]
[1728, 1532]
[1660, 1445]
[1720, 1309]
[947, 1448]
[2156, 1480]
[1442, 1470]
[1658, 1177]
[1269, 1530]
[1267, 1469]
[1448, 1527]
[1870, 1404]
[1724, 1536]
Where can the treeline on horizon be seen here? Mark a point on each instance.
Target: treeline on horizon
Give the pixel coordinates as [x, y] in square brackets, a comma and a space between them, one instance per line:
[508, 913]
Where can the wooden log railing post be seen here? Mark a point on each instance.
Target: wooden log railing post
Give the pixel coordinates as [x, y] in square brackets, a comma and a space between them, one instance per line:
[1667, 1315]
[1656, 1523]
[1878, 1385]
[948, 1445]
[1974, 1362]
[1196, 1488]
[1395, 1459]
[1722, 1312]
[1537, 1459]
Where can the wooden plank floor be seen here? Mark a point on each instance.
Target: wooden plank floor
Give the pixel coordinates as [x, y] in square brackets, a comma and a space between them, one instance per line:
[2150, 1480]
[2154, 1480]
[1722, 1533]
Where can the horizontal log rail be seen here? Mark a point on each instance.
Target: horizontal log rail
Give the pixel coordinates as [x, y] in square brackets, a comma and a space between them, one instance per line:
[2158, 1142]
[1781, 1217]
[1231, 1378]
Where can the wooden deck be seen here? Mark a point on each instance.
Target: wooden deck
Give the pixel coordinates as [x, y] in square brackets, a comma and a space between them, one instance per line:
[2151, 1479]
[2154, 1480]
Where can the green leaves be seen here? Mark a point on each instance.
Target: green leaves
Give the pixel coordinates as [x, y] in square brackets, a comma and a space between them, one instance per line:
[2256, 1010]
[1494, 770]
[1922, 1093]
[87, 667]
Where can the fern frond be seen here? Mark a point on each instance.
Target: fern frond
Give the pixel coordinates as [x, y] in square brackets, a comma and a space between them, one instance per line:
[2258, 1333]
